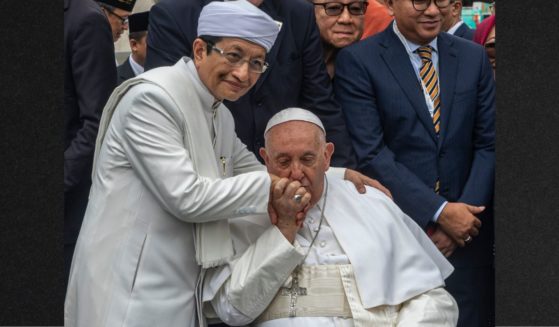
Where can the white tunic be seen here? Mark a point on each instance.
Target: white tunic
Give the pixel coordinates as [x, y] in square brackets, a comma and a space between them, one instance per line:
[393, 259]
[134, 262]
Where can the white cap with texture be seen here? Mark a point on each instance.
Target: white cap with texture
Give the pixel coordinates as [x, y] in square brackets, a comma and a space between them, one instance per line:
[239, 19]
[290, 114]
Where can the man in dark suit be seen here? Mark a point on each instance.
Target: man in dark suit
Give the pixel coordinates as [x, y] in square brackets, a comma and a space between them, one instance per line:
[89, 78]
[296, 78]
[420, 109]
[452, 21]
[134, 65]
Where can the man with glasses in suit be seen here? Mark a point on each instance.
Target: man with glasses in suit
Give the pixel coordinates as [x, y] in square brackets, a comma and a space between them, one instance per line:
[340, 24]
[117, 12]
[420, 108]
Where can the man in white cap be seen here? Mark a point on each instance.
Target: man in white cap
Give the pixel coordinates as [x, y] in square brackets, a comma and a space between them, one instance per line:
[354, 261]
[168, 173]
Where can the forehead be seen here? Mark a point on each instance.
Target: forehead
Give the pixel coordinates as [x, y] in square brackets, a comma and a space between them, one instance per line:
[233, 43]
[121, 12]
[294, 134]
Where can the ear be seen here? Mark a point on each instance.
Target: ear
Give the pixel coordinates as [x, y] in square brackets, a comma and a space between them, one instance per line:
[389, 4]
[133, 45]
[198, 50]
[328, 151]
[456, 8]
[264, 155]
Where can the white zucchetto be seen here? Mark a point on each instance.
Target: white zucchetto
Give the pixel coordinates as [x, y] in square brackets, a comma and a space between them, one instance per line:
[290, 114]
[239, 19]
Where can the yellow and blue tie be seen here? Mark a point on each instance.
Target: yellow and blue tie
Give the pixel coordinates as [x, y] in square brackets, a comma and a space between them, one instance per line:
[430, 80]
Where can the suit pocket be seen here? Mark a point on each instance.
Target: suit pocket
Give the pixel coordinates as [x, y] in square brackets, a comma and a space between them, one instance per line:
[469, 95]
[133, 254]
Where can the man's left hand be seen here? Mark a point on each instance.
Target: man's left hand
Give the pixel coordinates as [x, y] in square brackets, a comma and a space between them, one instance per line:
[360, 180]
[444, 243]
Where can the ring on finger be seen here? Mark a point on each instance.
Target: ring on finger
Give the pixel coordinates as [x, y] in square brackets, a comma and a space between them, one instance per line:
[468, 239]
[297, 198]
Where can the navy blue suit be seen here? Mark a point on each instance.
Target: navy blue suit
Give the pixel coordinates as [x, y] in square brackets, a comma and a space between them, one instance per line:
[464, 31]
[125, 71]
[89, 79]
[395, 142]
[297, 75]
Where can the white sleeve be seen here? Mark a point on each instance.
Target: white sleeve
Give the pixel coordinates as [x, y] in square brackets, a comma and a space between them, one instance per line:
[153, 142]
[256, 277]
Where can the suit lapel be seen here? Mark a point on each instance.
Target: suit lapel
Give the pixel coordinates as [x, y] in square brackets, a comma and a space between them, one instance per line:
[269, 7]
[399, 64]
[448, 66]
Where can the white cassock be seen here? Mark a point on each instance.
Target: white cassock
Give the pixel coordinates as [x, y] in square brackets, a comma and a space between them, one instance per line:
[387, 266]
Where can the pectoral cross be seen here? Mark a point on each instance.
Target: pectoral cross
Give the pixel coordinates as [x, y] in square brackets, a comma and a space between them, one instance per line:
[293, 291]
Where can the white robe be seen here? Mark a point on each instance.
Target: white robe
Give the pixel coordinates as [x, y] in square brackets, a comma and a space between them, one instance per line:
[394, 261]
[134, 262]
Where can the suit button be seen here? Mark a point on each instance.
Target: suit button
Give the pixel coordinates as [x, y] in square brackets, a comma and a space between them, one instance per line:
[441, 155]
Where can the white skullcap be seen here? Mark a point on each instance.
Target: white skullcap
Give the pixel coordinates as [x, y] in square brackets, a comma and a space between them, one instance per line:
[290, 114]
[239, 19]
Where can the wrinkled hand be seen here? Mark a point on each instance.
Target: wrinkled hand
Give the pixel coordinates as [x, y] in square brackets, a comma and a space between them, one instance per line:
[458, 221]
[360, 180]
[289, 214]
[443, 242]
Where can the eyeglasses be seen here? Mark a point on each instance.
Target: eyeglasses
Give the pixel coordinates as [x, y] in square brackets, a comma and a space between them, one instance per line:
[422, 5]
[236, 60]
[356, 8]
[123, 20]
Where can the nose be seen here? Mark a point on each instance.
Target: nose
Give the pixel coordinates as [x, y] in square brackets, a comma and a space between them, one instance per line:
[432, 9]
[296, 172]
[241, 72]
[345, 16]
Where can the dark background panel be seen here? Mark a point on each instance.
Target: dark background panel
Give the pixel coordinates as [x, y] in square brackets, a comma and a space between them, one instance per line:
[527, 200]
[31, 166]
[31, 163]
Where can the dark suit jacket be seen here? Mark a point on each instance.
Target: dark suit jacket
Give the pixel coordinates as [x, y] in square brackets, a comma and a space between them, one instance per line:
[393, 133]
[125, 71]
[296, 77]
[89, 78]
[464, 31]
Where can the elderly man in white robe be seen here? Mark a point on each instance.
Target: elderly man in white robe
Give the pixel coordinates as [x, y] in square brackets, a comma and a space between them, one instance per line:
[356, 260]
[168, 173]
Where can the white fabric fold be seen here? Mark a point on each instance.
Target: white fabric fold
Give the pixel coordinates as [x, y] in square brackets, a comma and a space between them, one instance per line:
[209, 252]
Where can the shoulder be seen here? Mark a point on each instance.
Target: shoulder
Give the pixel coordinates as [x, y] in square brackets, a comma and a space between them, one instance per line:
[345, 189]
[296, 12]
[463, 46]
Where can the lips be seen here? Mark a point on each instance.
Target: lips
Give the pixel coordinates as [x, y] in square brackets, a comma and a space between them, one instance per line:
[235, 86]
[431, 23]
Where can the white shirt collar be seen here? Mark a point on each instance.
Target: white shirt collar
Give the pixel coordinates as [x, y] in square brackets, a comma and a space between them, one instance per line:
[453, 29]
[136, 67]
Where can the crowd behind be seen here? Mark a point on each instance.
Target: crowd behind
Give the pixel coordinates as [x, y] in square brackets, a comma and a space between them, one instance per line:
[398, 95]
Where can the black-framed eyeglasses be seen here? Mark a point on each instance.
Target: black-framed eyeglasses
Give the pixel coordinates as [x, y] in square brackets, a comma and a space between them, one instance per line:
[422, 5]
[123, 20]
[356, 8]
[235, 59]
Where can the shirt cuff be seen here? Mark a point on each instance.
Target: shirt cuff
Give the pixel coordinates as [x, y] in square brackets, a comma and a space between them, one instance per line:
[438, 213]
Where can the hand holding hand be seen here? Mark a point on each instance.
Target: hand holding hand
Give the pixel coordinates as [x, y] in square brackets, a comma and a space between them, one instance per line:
[289, 200]
[458, 220]
[443, 242]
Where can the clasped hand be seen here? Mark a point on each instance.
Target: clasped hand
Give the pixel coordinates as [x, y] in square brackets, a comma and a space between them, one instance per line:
[286, 212]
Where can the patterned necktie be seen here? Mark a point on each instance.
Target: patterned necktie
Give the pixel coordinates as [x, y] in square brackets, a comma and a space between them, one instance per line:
[431, 82]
